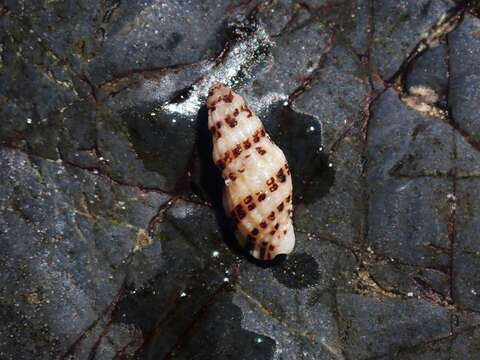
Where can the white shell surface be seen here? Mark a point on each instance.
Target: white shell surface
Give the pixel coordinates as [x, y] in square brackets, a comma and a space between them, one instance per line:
[258, 184]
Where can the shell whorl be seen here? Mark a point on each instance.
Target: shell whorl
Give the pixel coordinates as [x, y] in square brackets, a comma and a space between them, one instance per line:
[258, 184]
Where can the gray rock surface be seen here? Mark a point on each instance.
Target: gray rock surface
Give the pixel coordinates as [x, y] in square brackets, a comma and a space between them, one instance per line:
[430, 70]
[399, 26]
[114, 243]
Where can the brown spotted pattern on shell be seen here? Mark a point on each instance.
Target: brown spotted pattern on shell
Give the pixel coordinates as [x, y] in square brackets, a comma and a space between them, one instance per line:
[258, 185]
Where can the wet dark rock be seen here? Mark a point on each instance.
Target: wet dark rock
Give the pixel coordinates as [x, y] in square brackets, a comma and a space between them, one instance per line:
[467, 156]
[162, 143]
[277, 15]
[305, 279]
[437, 350]
[336, 216]
[332, 98]
[408, 203]
[411, 281]
[464, 48]
[403, 142]
[338, 107]
[413, 212]
[160, 35]
[361, 29]
[300, 138]
[223, 336]
[375, 328]
[71, 239]
[399, 27]
[466, 346]
[190, 277]
[297, 54]
[464, 82]
[114, 240]
[430, 70]
[298, 271]
[466, 250]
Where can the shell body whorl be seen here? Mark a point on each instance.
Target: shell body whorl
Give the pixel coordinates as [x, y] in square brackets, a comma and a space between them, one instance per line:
[258, 185]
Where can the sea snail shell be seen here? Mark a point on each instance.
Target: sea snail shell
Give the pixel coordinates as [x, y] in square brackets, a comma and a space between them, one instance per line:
[258, 185]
